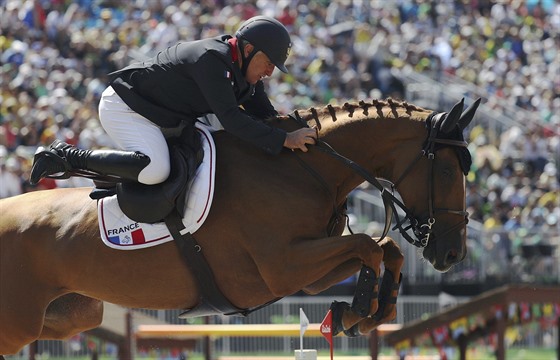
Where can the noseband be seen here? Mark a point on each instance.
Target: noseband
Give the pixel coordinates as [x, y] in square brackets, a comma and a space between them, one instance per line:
[422, 228]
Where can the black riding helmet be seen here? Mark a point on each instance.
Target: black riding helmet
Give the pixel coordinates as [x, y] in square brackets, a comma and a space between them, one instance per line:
[267, 35]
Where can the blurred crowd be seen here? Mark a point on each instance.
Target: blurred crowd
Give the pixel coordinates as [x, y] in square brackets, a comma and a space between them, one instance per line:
[55, 56]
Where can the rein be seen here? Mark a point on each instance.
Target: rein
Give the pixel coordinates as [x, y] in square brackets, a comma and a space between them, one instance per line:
[423, 230]
[386, 196]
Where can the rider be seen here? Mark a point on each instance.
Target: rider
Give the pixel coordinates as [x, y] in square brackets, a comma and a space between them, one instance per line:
[221, 75]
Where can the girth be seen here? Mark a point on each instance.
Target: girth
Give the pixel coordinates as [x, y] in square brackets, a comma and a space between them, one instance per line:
[211, 299]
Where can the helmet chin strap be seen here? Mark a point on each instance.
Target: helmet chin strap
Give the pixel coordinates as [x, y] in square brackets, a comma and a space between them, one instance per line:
[245, 60]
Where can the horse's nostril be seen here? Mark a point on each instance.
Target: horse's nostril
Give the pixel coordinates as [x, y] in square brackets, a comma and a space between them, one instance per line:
[451, 256]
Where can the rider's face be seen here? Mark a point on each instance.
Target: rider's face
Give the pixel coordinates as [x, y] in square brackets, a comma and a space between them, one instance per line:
[259, 68]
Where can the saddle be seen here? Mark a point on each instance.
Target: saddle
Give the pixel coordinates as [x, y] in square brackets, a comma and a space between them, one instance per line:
[153, 203]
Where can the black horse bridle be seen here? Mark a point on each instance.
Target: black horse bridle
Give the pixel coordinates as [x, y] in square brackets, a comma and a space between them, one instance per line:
[422, 228]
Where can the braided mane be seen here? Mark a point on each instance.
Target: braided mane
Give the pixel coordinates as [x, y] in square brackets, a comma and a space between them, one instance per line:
[388, 108]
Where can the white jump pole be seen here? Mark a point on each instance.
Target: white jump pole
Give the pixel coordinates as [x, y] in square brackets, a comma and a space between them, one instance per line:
[304, 354]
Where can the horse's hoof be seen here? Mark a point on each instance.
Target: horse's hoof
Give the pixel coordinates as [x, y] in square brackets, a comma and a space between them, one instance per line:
[364, 293]
[388, 284]
[338, 309]
[353, 331]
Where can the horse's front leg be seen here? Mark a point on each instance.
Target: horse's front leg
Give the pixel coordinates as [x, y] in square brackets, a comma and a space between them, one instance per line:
[315, 265]
[393, 260]
[365, 301]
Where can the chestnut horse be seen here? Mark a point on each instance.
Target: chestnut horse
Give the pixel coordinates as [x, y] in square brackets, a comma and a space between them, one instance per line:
[267, 234]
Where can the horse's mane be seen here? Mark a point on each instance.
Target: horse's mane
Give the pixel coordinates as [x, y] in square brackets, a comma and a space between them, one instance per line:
[388, 108]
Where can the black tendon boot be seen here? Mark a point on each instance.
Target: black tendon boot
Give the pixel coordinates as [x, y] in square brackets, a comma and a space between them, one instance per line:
[62, 158]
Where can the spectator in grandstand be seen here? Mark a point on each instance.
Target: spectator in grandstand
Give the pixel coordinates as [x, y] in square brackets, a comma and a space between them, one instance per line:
[10, 178]
[177, 86]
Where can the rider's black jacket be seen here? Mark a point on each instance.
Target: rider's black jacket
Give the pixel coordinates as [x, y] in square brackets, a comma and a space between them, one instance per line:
[192, 79]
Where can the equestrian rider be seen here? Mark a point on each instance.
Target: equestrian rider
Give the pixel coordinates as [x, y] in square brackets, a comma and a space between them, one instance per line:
[221, 75]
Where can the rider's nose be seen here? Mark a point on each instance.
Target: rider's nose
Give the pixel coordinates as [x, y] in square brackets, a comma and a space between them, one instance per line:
[270, 70]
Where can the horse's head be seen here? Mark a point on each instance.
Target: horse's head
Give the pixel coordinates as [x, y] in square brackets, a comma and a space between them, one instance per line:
[427, 169]
[433, 189]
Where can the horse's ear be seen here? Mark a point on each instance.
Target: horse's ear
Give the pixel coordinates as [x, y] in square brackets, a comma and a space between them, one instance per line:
[468, 115]
[451, 119]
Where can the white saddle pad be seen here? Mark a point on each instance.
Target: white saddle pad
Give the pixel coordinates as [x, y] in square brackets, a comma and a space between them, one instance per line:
[120, 232]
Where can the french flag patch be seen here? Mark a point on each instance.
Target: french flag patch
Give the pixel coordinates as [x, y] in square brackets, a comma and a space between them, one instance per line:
[133, 238]
[227, 74]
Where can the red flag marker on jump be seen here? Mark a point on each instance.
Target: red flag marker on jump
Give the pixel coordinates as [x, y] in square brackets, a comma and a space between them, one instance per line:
[326, 330]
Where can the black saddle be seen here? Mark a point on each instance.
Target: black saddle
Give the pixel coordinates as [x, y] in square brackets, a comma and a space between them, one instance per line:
[152, 203]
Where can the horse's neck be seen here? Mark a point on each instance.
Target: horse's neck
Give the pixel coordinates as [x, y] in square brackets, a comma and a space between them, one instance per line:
[376, 137]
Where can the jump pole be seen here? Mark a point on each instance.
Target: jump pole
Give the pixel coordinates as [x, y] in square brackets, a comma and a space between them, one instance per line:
[213, 331]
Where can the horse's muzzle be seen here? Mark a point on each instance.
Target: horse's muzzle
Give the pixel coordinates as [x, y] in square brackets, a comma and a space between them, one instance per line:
[444, 252]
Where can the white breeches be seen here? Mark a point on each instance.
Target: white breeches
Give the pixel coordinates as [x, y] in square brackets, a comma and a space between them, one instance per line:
[133, 132]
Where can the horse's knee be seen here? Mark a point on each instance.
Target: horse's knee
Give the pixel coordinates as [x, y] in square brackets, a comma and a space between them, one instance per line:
[370, 251]
[392, 254]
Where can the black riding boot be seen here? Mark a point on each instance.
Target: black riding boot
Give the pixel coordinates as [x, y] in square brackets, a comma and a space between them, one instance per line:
[62, 158]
